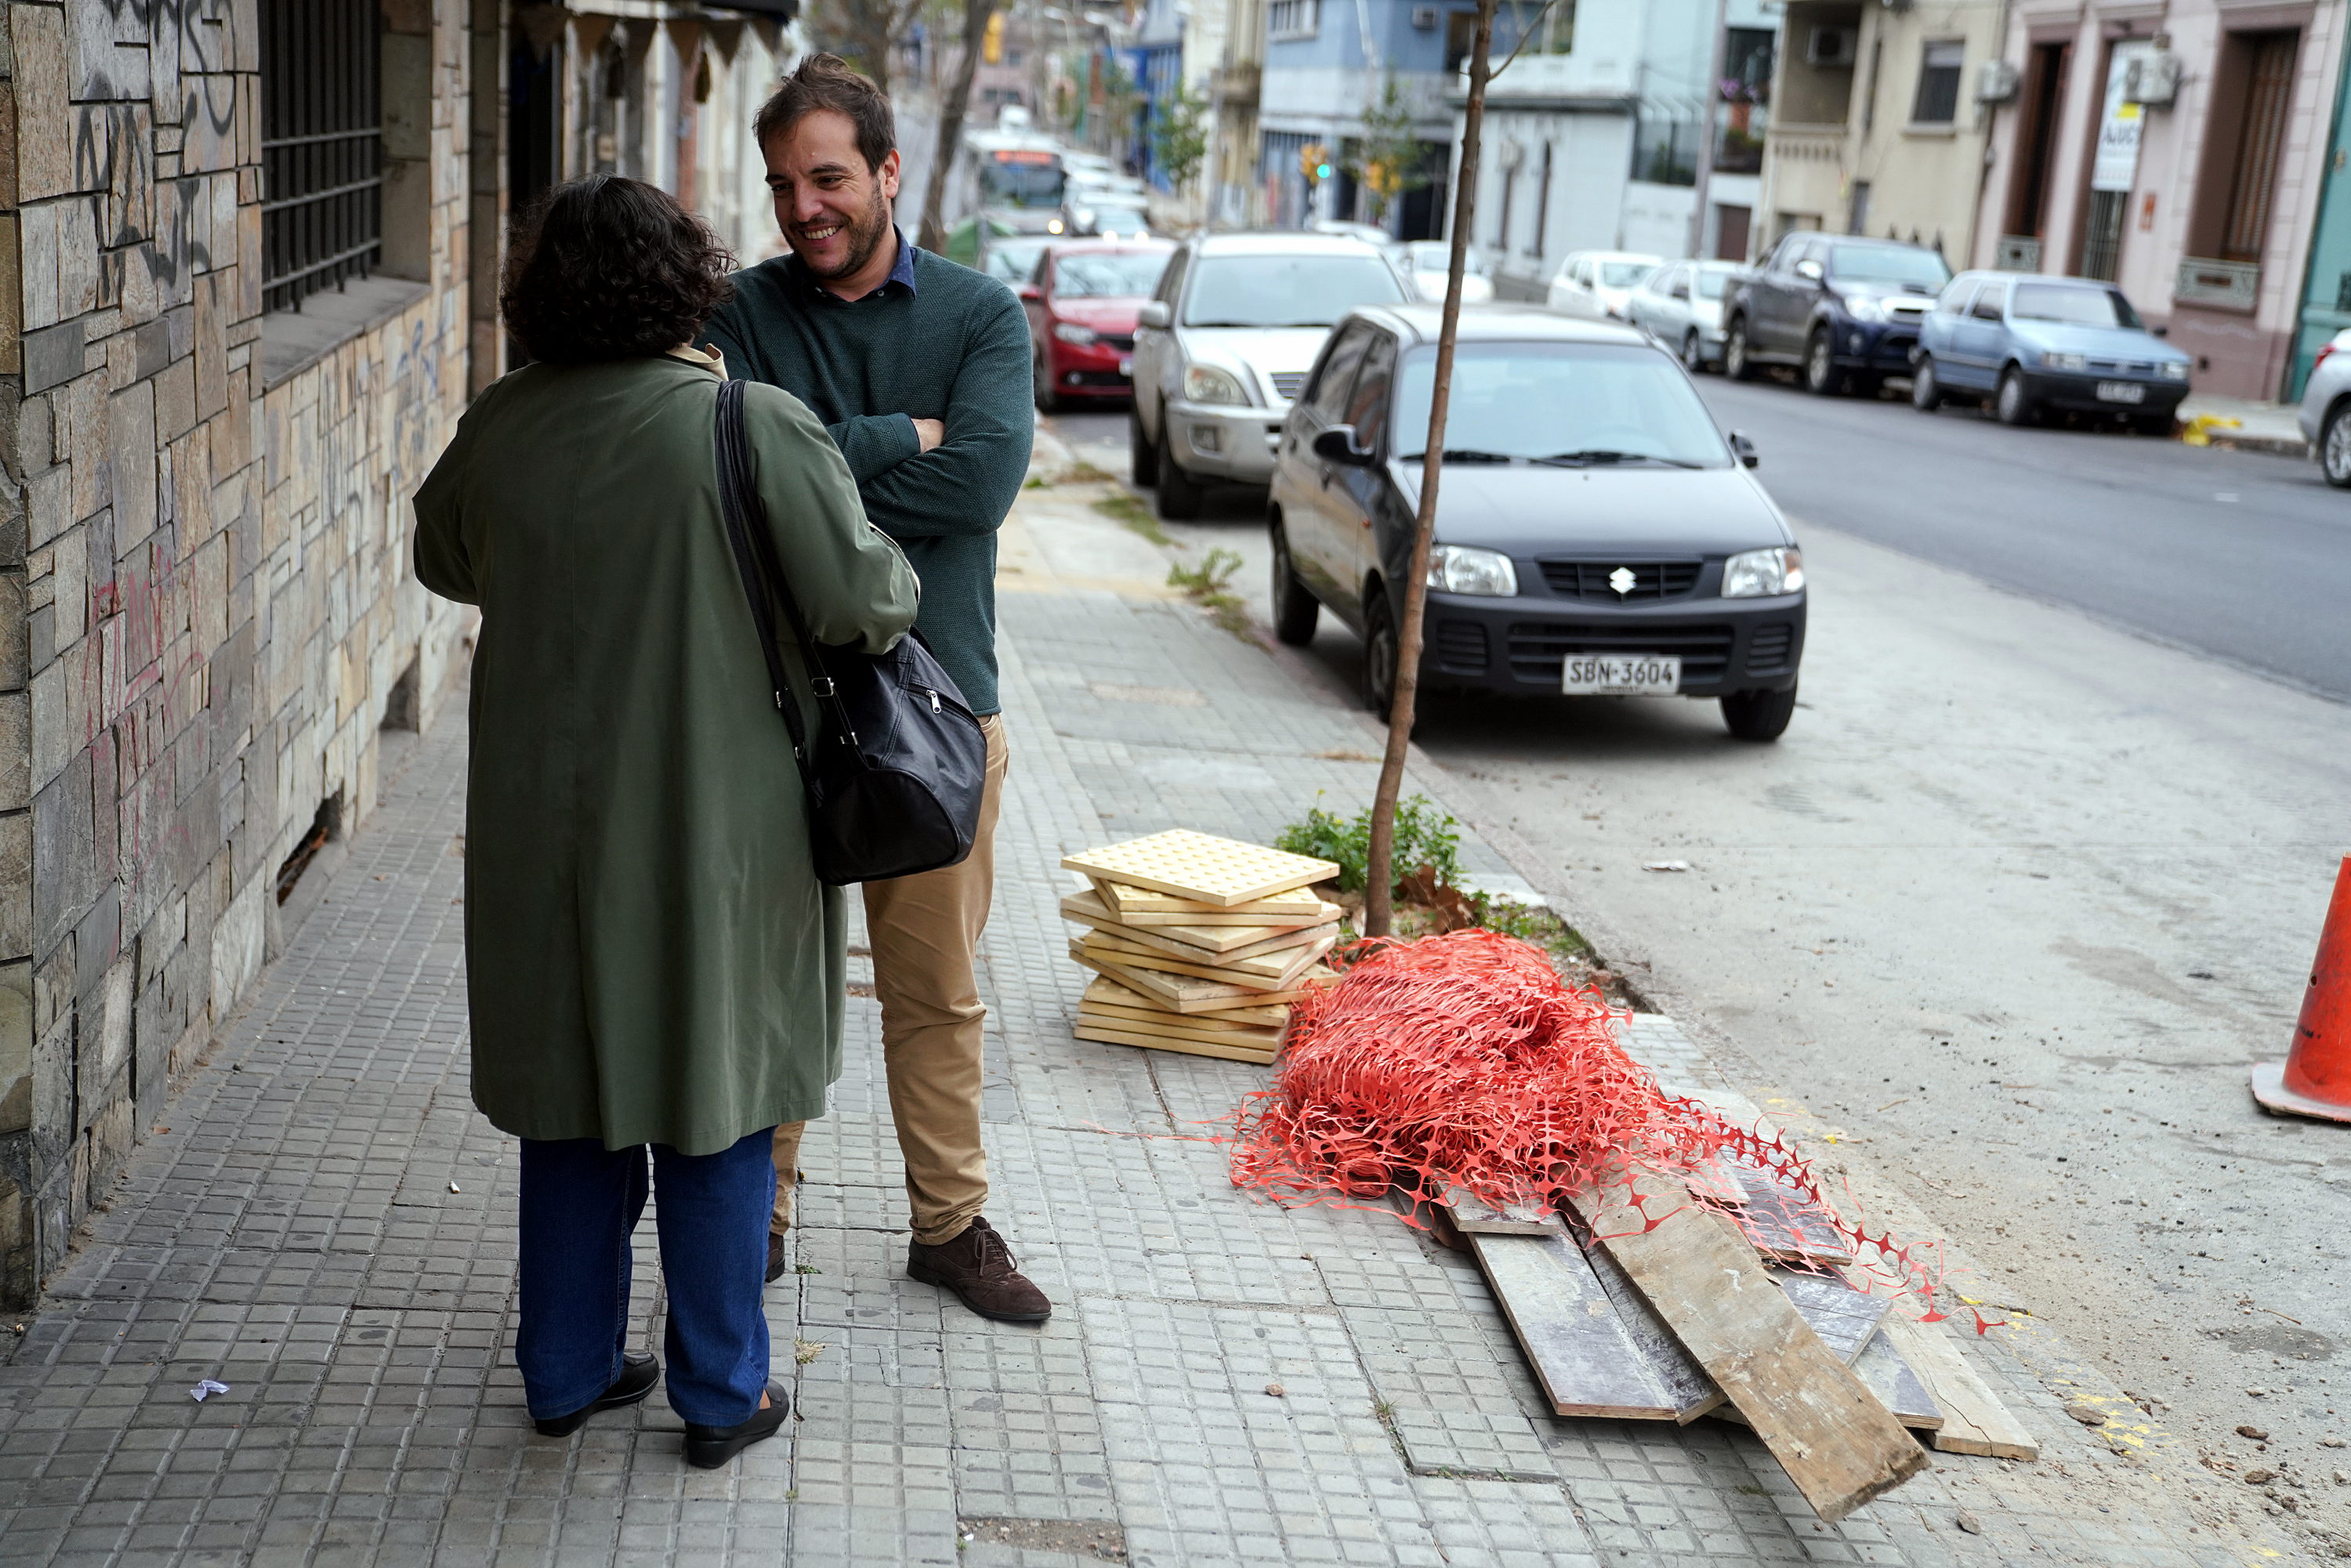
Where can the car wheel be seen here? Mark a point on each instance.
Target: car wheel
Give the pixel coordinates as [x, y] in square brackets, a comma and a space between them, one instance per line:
[1821, 375]
[1379, 656]
[1142, 457]
[1180, 493]
[1758, 716]
[1692, 354]
[2334, 447]
[2012, 405]
[1294, 607]
[1042, 379]
[1926, 387]
[1735, 361]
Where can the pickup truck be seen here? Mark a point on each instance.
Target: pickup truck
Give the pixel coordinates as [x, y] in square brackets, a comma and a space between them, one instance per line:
[1845, 311]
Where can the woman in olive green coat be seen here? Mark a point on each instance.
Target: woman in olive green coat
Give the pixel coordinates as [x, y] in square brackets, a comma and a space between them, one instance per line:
[650, 959]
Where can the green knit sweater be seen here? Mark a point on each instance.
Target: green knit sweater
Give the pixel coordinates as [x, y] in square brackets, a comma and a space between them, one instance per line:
[954, 347]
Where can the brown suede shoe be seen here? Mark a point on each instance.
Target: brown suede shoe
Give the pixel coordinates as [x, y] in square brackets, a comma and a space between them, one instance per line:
[979, 1268]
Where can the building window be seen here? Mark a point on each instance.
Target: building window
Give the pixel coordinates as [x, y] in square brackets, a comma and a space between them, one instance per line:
[1938, 103]
[1460, 37]
[321, 147]
[2252, 177]
[1292, 18]
[1525, 26]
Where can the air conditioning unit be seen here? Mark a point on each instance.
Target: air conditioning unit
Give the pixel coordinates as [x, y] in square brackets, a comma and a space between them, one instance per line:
[1425, 18]
[1829, 47]
[1996, 83]
[2152, 79]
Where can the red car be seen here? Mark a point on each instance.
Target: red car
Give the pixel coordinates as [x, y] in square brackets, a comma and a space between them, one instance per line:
[1082, 305]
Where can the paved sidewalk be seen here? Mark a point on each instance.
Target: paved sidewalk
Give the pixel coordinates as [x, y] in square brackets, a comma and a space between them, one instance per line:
[325, 1226]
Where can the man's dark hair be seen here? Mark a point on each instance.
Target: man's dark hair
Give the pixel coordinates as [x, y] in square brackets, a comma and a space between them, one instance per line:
[827, 81]
[611, 269]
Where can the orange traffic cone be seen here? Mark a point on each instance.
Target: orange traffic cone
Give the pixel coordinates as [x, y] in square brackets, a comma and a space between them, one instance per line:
[2316, 1078]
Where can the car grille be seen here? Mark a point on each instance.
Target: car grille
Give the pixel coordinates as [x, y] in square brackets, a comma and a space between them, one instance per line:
[1767, 648]
[1125, 345]
[1652, 580]
[1538, 651]
[1288, 384]
[2122, 367]
[1461, 647]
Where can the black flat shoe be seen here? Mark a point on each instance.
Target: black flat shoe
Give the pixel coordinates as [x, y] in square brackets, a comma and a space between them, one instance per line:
[775, 1257]
[639, 1372]
[707, 1447]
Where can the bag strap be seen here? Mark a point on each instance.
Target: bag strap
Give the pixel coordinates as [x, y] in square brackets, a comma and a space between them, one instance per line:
[747, 534]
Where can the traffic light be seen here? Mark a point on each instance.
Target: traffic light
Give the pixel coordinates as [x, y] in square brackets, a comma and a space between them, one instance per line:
[991, 48]
[1314, 163]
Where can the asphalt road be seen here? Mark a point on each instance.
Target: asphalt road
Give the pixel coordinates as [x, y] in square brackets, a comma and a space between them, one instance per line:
[2022, 894]
[2240, 555]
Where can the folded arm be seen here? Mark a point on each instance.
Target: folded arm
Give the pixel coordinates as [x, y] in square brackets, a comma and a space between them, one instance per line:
[967, 484]
[852, 583]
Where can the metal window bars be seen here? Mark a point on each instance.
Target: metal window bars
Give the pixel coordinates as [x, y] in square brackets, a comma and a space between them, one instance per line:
[321, 148]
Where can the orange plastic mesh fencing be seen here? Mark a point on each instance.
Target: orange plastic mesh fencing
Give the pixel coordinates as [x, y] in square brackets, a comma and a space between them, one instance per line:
[1464, 1060]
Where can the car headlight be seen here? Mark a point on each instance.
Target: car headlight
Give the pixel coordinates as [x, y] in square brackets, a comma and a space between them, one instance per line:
[1461, 568]
[1071, 332]
[1755, 573]
[2064, 362]
[1862, 308]
[2174, 370]
[1206, 383]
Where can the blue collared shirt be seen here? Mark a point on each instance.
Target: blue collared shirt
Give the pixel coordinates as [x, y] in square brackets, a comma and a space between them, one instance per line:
[901, 276]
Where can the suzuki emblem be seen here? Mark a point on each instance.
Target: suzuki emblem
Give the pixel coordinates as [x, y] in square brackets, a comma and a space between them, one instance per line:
[1622, 580]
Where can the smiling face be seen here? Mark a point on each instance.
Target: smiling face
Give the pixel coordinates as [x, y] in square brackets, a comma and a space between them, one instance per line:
[833, 210]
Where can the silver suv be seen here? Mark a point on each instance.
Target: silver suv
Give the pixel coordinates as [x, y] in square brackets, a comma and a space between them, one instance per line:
[1224, 345]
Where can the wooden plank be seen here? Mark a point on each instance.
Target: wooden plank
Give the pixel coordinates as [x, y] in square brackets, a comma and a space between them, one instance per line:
[1162, 1043]
[1200, 944]
[1573, 1338]
[1202, 867]
[1472, 1218]
[1266, 972]
[1886, 1374]
[1141, 906]
[1714, 1178]
[1782, 1221]
[1182, 994]
[1105, 994]
[1974, 1420]
[1836, 1442]
[1175, 1026]
[1846, 1320]
[1690, 1391]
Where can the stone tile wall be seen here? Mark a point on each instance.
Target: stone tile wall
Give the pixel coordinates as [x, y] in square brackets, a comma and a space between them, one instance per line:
[206, 613]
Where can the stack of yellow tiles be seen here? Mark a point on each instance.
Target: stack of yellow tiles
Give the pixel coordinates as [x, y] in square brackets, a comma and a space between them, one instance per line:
[1199, 943]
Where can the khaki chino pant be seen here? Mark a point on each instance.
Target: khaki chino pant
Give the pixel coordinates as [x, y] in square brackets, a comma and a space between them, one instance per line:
[924, 933]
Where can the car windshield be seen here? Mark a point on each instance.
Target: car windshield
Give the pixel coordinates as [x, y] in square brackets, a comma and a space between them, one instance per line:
[1015, 260]
[1108, 274]
[1021, 179]
[1624, 273]
[1286, 290]
[1710, 283]
[1887, 264]
[1118, 220]
[2073, 305]
[1437, 256]
[1590, 401]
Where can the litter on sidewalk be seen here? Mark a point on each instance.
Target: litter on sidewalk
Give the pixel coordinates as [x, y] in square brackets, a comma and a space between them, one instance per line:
[1199, 943]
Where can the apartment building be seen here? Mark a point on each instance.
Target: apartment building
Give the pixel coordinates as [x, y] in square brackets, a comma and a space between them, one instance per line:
[1325, 63]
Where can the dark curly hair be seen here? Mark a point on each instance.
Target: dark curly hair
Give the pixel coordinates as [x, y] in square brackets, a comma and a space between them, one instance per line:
[611, 269]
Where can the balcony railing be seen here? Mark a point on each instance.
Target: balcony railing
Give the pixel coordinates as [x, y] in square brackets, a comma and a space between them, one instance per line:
[2223, 284]
[1237, 83]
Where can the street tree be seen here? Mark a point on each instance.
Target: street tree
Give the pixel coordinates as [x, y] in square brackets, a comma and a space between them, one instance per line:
[1390, 158]
[1379, 885]
[932, 236]
[1179, 136]
[867, 33]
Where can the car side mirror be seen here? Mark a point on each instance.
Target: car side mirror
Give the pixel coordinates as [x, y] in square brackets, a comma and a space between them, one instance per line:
[1337, 444]
[1810, 271]
[1744, 450]
[1029, 292]
[1155, 313]
[2160, 332]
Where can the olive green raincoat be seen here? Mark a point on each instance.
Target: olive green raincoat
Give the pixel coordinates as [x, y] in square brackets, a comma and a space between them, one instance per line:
[650, 956]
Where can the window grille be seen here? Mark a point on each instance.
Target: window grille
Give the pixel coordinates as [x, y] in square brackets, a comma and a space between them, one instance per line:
[321, 147]
[1940, 67]
[1293, 18]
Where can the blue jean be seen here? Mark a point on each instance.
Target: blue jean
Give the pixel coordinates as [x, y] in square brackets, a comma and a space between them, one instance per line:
[581, 1202]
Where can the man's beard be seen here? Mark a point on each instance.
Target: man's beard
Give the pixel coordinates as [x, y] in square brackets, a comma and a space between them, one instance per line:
[865, 238]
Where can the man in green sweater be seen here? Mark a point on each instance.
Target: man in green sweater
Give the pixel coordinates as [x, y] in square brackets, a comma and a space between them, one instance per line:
[920, 370]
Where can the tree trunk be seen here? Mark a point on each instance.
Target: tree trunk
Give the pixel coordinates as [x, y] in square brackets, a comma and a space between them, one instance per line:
[1380, 877]
[933, 236]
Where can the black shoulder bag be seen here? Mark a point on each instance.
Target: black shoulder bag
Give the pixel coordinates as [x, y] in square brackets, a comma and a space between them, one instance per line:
[894, 779]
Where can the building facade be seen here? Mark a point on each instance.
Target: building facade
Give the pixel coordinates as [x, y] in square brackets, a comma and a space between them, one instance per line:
[1592, 135]
[2181, 151]
[251, 252]
[1326, 64]
[1882, 120]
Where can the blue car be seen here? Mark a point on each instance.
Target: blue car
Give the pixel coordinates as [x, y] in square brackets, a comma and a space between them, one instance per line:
[2026, 344]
